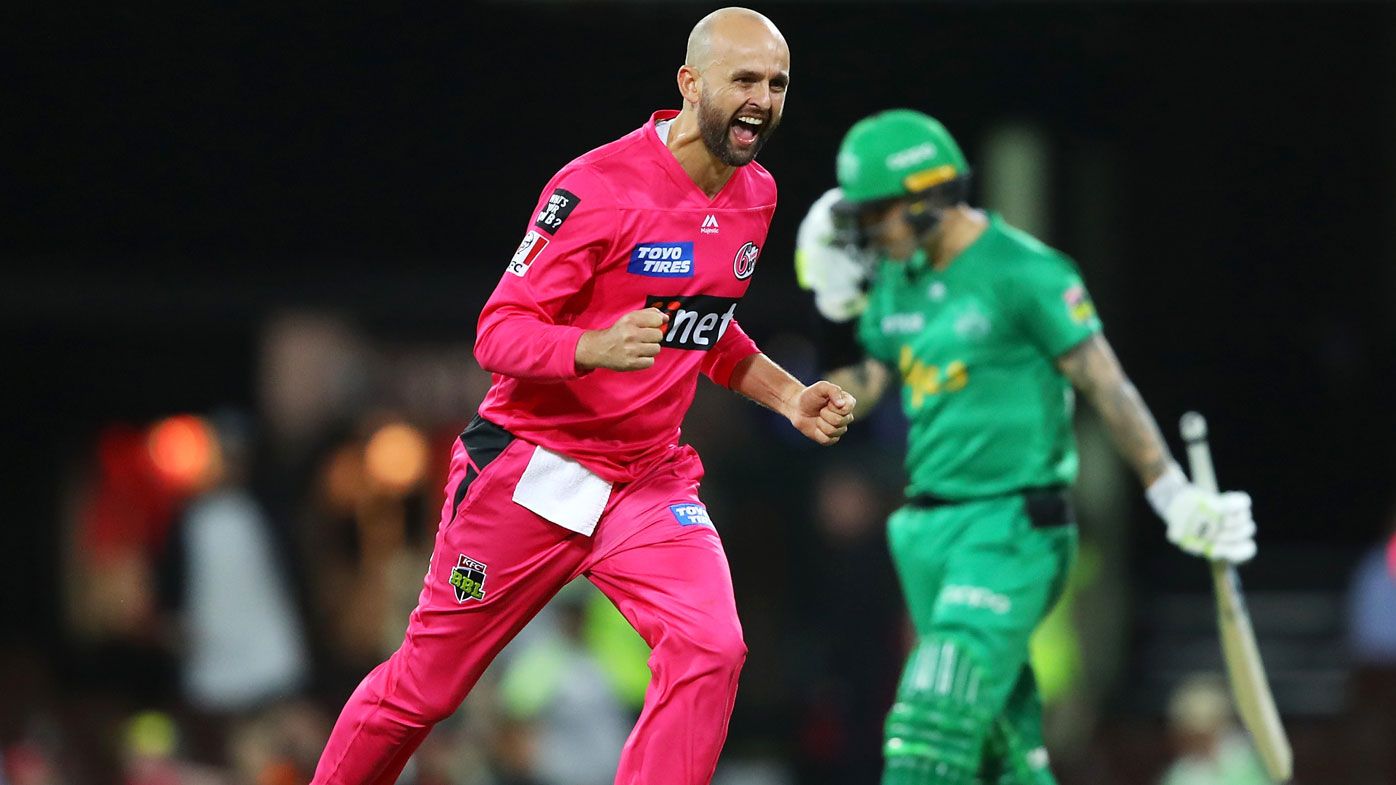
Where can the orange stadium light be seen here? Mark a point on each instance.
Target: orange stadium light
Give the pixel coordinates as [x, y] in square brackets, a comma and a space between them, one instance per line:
[183, 449]
[396, 457]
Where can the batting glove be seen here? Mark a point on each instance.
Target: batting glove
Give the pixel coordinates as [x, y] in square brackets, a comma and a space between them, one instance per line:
[1214, 525]
[834, 273]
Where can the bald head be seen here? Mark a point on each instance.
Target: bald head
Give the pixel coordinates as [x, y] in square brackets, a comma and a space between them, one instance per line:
[725, 28]
[733, 82]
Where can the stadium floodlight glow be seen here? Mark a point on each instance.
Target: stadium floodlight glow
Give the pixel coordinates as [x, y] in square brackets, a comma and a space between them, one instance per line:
[396, 457]
[184, 449]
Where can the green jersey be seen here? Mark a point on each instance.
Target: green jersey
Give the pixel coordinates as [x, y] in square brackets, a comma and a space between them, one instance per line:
[976, 347]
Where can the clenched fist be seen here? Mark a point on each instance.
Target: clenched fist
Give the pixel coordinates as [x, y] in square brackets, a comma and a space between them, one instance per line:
[631, 344]
[823, 412]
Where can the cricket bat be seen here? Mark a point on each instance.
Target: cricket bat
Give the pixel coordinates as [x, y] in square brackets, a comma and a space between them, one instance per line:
[1249, 685]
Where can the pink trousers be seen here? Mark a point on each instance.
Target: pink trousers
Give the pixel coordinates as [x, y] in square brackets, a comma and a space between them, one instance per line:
[496, 564]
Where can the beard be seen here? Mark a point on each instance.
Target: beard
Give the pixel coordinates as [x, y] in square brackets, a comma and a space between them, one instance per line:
[714, 128]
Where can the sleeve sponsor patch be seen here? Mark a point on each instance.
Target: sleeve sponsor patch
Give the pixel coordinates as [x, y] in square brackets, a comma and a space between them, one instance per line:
[560, 204]
[532, 245]
[1078, 304]
[691, 514]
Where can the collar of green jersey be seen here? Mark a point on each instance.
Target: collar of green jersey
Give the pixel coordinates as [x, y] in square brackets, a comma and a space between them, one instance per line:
[920, 262]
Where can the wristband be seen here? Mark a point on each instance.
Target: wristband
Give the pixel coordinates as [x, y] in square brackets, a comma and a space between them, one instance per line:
[1165, 489]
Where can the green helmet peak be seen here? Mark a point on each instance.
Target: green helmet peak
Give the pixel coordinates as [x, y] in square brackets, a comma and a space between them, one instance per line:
[895, 153]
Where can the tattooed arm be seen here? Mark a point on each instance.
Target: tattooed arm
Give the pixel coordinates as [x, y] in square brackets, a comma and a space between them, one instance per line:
[865, 381]
[1215, 526]
[1093, 369]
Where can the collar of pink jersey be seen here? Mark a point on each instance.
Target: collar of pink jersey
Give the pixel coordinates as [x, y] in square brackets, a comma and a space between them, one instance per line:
[676, 170]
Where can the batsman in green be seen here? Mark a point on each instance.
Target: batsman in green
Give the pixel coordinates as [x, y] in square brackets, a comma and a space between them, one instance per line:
[986, 331]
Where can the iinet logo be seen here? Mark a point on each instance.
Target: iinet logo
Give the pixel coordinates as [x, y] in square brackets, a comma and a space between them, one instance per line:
[709, 225]
[696, 321]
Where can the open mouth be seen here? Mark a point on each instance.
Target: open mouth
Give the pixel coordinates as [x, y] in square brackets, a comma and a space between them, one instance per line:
[746, 129]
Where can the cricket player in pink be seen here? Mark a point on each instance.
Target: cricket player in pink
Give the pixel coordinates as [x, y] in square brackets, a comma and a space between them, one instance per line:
[625, 288]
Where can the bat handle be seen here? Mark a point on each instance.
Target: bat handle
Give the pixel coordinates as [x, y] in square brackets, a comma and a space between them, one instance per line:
[1194, 429]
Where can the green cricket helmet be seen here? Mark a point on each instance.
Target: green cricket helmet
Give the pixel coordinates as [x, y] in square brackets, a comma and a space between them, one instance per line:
[900, 154]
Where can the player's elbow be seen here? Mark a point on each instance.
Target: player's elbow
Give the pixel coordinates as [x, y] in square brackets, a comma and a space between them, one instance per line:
[489, 349]
[493, 361]
[519, 349]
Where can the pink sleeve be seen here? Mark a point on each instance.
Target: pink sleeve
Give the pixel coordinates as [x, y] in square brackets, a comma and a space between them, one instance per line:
[525, 328]
[733, 347]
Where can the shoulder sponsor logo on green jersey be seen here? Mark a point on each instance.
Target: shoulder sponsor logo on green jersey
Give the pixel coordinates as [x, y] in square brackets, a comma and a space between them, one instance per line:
[923, 380]
[1078, 304]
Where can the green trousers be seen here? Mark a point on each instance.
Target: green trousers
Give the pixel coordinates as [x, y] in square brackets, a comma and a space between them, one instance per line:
[978, 577]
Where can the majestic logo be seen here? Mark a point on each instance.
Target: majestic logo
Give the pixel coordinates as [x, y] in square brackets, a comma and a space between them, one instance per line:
[745, 262]
[532, 245]
[559, 205]
[691, 515]
[662, 260]
[696, 321]
[709, 224]
[468, 579]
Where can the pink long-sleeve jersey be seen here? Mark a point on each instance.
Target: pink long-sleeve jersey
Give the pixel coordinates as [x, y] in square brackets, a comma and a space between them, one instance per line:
[619, 229]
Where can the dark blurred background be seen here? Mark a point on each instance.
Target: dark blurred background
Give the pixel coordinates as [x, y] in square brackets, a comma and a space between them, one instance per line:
[245, 246]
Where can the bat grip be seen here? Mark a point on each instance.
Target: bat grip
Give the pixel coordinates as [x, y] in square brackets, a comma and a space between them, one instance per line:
[1194, 430]
[1193, 426]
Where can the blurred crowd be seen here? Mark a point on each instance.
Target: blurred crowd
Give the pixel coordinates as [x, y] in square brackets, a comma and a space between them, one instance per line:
[230, 575]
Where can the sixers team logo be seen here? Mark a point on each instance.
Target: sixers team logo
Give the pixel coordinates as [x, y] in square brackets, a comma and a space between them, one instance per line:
[745, 263]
